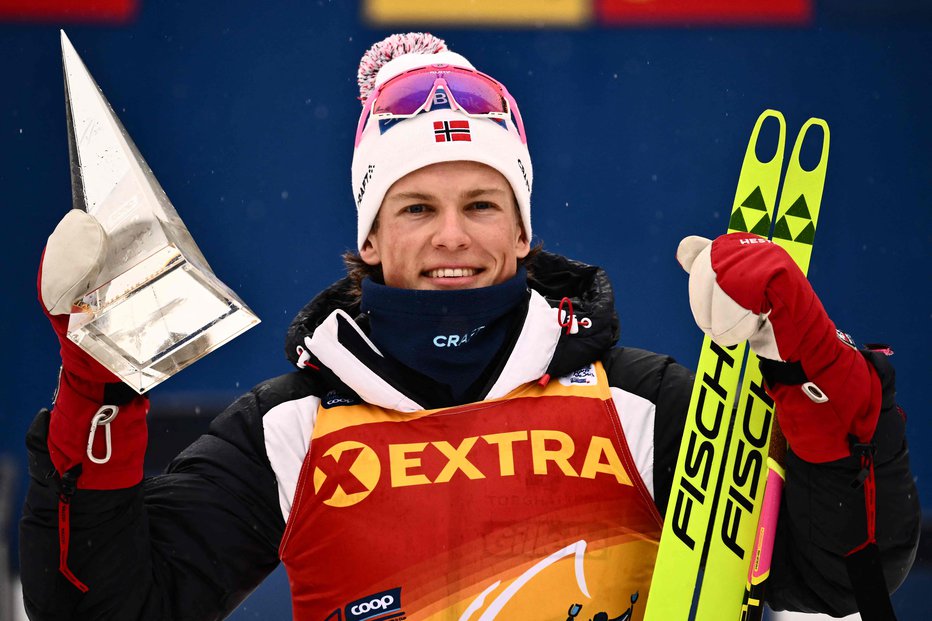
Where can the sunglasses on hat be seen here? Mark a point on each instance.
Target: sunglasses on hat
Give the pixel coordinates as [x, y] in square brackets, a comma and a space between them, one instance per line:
[473, 93]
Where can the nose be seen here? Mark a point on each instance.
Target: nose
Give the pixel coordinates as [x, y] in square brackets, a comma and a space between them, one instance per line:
[451, 231]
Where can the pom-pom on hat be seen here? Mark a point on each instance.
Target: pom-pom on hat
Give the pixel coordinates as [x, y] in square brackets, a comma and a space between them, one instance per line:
[386, 154]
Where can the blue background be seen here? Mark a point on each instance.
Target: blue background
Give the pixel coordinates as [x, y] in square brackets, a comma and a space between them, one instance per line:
[247, 112]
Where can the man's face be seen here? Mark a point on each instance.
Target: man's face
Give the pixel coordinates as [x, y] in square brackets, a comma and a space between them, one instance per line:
[452, 225]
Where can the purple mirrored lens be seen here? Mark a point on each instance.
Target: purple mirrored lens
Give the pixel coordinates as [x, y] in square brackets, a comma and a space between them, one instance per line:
[406, 95]
[476, 94]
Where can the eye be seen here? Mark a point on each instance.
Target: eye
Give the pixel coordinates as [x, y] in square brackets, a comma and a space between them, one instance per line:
[482, 206]
[415, 209]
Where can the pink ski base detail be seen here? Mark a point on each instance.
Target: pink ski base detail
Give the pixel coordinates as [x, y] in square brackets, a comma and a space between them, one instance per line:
[766, 529]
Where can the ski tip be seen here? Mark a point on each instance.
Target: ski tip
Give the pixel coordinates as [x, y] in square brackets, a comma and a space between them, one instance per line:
[777, 158]
[770, 112]
[801, 137]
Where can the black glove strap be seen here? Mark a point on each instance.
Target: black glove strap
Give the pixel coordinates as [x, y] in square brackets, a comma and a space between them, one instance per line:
[118, 393]
[786, 373]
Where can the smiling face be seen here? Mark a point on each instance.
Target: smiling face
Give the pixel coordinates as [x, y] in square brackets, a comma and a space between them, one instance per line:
[452, 225]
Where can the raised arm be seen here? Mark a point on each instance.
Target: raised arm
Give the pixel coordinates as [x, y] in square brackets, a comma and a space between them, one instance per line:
[98, 542]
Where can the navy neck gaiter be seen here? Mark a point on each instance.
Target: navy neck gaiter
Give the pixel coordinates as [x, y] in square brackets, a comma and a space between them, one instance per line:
[449, 336]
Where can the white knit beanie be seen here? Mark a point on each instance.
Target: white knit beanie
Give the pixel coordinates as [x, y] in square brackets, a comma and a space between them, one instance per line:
[381, 159]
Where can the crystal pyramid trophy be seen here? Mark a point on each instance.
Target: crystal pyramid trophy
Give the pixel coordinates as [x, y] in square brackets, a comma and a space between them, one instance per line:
[156, 306]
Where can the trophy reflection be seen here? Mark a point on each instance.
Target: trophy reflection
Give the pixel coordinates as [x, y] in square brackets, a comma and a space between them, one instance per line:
[156, 306]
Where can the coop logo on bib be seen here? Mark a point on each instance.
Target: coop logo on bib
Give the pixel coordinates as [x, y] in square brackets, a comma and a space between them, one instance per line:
[375, 605]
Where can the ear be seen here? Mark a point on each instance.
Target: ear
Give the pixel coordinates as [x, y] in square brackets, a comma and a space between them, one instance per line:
[522, 244]
[369, 254]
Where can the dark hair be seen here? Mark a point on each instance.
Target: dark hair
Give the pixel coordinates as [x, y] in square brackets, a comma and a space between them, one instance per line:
[357, 269]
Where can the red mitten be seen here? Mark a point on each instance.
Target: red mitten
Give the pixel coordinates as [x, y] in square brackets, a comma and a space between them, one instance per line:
[743, 287]
[111, 454]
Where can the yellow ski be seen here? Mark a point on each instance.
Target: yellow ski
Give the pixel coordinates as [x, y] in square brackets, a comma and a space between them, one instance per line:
[697, 480]
[713, 527]
[794, 230]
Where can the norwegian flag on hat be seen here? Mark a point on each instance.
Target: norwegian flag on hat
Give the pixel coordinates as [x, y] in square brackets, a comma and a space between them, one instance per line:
[452, 131]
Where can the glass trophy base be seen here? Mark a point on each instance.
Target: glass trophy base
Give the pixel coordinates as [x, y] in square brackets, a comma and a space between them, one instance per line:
[157, 318]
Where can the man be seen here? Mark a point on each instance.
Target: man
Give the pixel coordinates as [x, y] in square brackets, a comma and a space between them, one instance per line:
[461, 439]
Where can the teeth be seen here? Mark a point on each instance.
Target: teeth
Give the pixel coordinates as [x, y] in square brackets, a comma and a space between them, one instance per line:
[451, 272]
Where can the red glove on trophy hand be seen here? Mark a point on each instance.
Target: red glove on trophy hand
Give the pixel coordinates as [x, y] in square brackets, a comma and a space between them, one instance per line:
[72, 260]
[743, 287]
